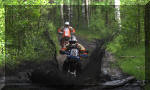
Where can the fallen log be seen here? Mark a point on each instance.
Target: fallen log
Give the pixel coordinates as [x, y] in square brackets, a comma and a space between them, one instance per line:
[2, 82]
[128, 56]
[117, 83]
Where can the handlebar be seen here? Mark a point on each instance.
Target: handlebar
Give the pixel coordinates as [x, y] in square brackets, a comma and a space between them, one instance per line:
[83, 55]
[67, 53]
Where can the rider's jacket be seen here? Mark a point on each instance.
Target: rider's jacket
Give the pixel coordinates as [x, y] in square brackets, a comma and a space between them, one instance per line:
[66, 31]
[80, 47]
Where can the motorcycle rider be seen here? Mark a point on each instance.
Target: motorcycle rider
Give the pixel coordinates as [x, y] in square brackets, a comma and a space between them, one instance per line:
[66, 31]
[76, 51]
[73, 43]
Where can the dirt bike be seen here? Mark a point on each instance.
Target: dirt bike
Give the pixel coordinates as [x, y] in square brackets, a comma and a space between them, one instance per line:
[72, 64]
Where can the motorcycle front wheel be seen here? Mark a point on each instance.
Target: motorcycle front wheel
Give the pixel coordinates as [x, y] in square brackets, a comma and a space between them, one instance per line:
[72, 66]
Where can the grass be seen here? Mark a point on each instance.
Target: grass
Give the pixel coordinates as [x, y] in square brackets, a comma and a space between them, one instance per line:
[88, 34]
[147, 87]
[132, 65]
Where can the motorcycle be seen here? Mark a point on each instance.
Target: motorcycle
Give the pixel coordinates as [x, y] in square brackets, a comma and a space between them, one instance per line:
[72, 64]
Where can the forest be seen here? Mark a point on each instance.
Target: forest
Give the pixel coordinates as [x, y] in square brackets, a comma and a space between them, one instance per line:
[28, 30]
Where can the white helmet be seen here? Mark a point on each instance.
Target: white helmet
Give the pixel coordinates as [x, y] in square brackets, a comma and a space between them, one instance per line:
[73, 40]
[66, 23]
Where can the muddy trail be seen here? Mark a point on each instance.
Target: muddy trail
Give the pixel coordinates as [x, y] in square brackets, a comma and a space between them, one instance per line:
[97, 73]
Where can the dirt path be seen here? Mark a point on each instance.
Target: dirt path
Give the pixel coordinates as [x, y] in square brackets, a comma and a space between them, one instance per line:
[107, 60]
[114, 72]
[92, 77]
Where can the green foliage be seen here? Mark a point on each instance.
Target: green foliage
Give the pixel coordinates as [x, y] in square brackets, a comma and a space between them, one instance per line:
[26, 24]
[2, 36]
[129, 24]
[129, 36]
[89, 35]
[31, 2]
[25, 38]
[116, 46]
[134, 66]
[101, 23]
[53, 31]
[147, 86]
[18, 24]
[104, 2]
[134, 2]
[130, 42]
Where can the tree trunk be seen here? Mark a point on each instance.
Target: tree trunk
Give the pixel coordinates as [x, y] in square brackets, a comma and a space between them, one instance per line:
[106, 16]
[87, 12]
[83, 7]
[83, 14]
[62, 13]
[78, 13]
[89, 8]
[68, 12]
[147, 41]
[138, 25]
[117, 13]
[71, 12]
